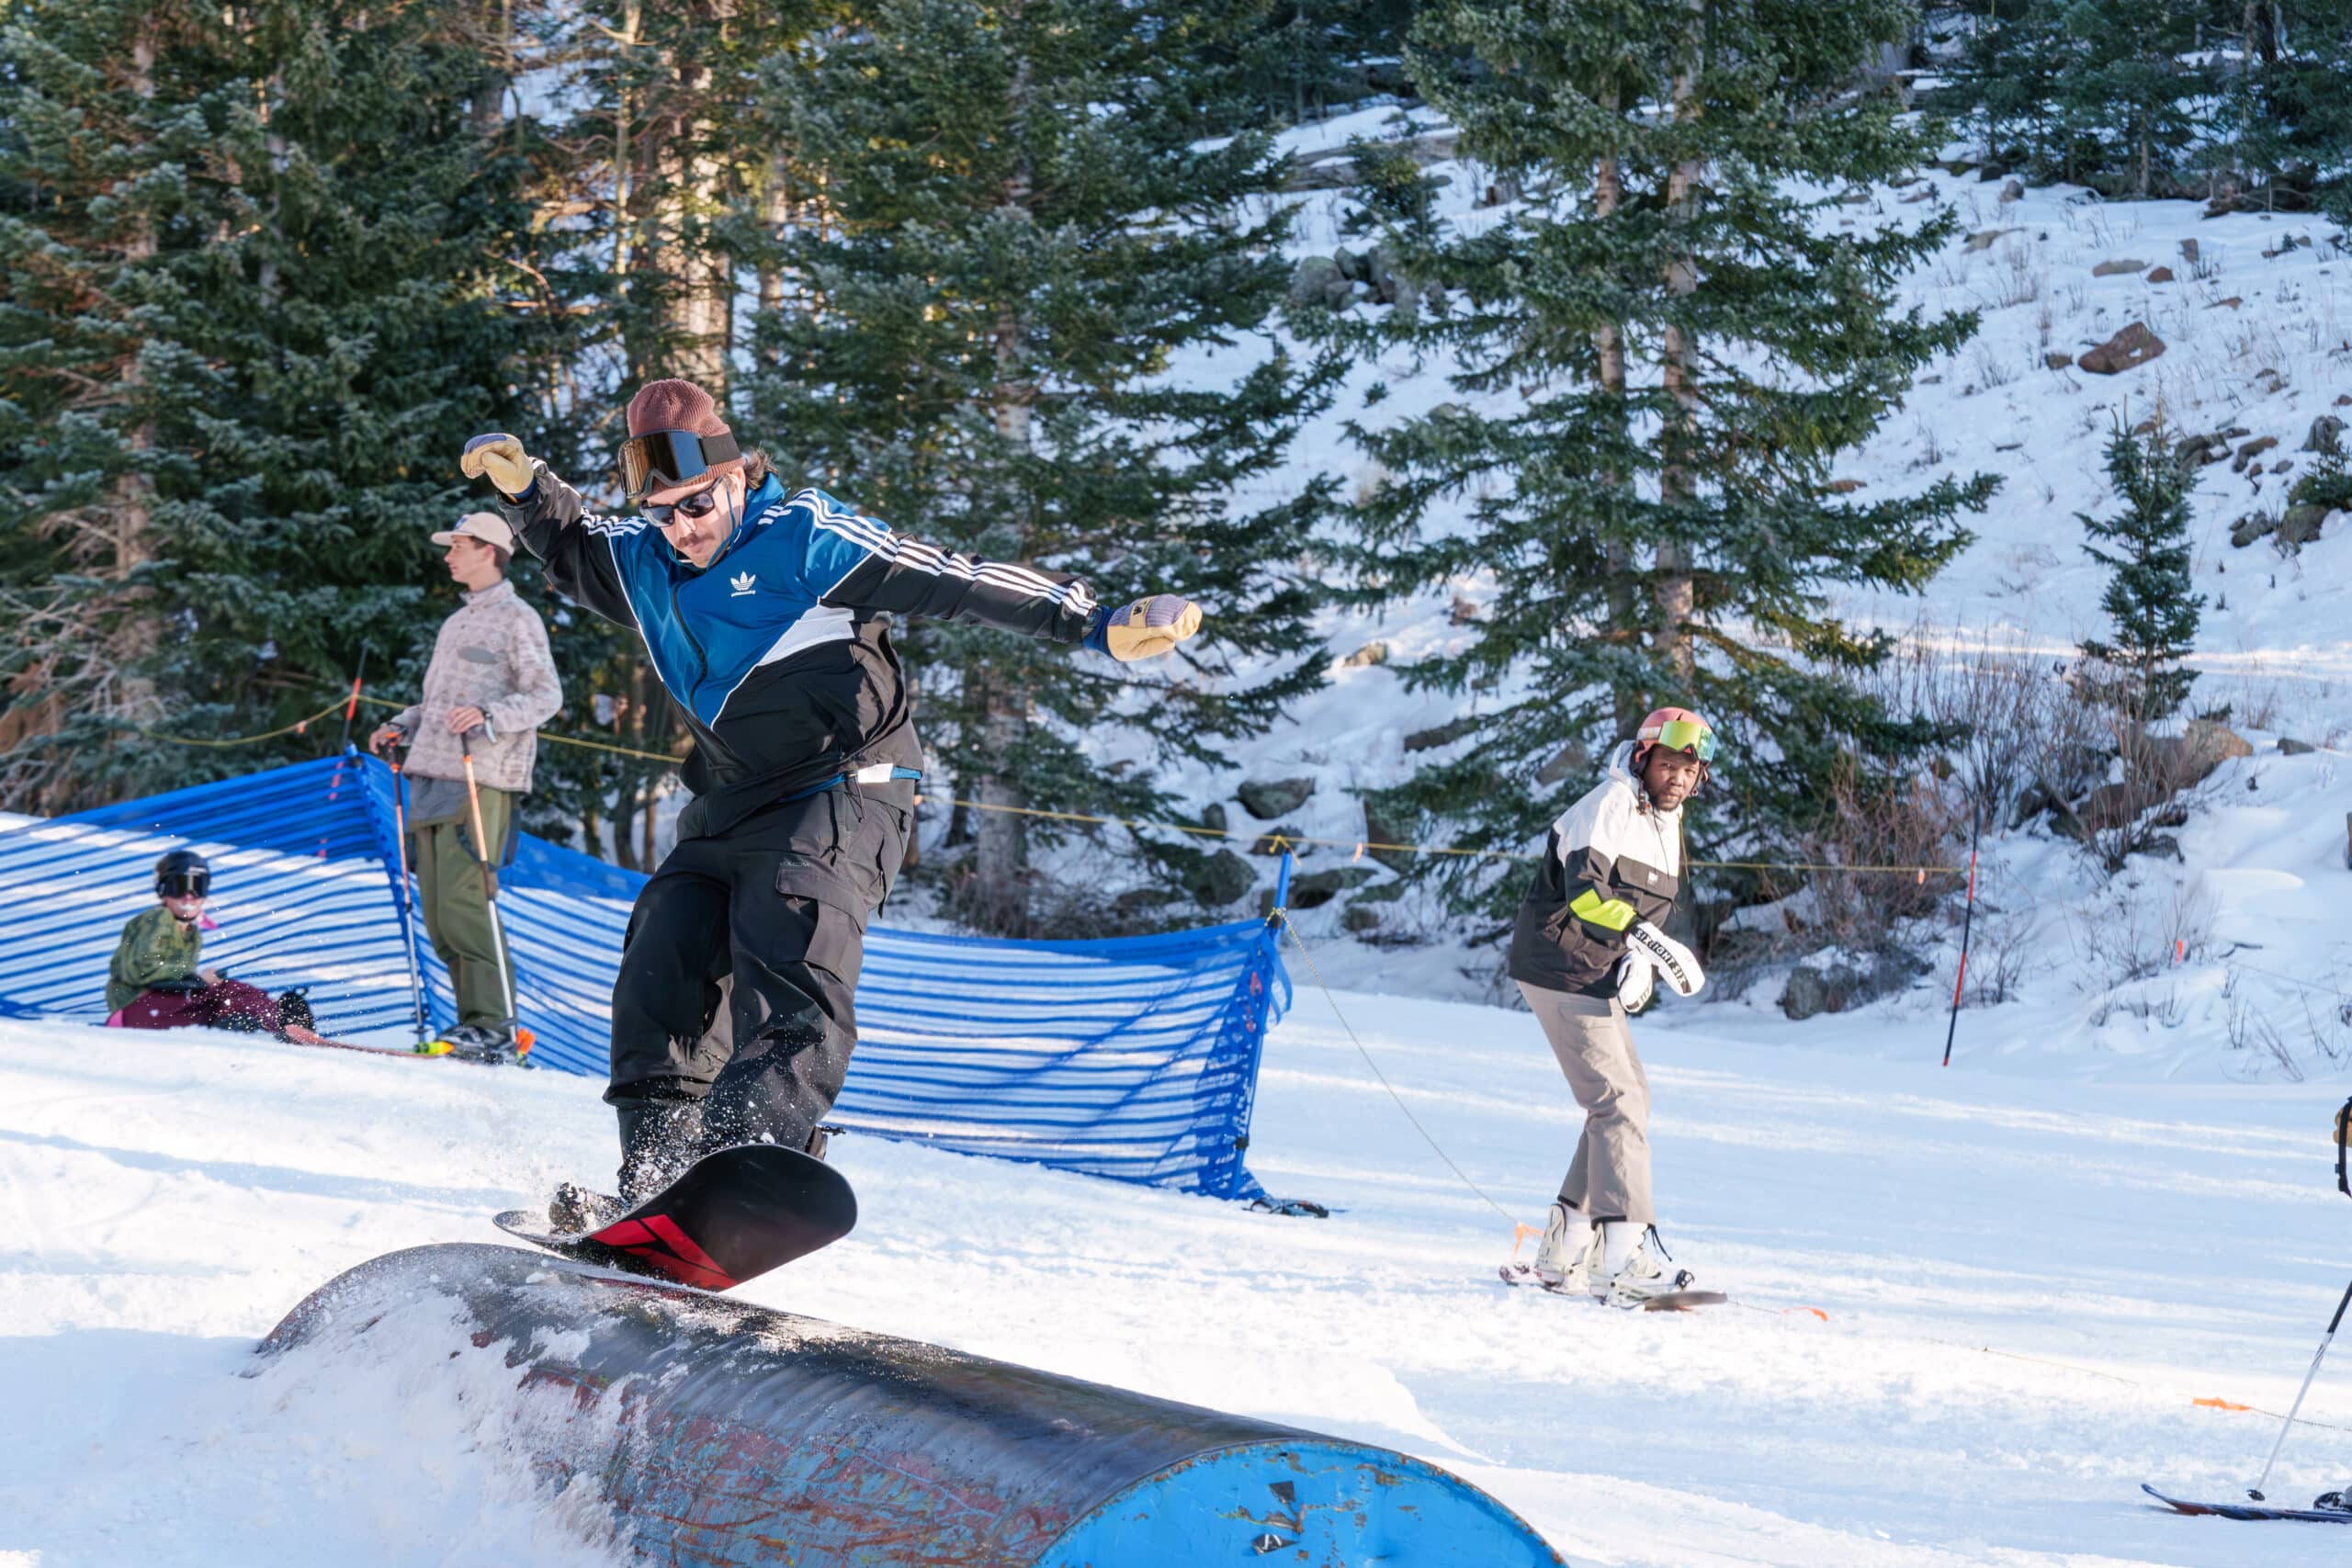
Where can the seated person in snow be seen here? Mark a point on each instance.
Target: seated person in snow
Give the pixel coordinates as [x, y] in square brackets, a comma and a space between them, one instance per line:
[154, 981]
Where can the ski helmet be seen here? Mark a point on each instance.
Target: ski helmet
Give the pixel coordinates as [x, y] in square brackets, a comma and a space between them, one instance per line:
[183, 873]
[1677, 729]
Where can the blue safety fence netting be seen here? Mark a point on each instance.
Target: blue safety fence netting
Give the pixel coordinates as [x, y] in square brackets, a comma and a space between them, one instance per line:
[1131, 1057]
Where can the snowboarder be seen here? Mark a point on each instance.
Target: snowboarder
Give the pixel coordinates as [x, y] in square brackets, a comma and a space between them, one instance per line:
[763, 612]
[1586, 951]
[491, 685]
[157, 980]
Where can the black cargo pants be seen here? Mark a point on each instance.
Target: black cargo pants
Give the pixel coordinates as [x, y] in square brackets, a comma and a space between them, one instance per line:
[779, 902]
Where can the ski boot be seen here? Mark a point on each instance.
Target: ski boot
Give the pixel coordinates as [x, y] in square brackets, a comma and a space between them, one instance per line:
[494, 1044]
[2333, 1502]
[1646, 1273]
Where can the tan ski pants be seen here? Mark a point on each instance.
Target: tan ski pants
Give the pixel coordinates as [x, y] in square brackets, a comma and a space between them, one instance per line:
[1610, 1176]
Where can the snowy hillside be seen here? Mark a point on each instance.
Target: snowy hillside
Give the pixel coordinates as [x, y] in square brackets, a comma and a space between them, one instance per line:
[2258, 338]
[2027, 1286]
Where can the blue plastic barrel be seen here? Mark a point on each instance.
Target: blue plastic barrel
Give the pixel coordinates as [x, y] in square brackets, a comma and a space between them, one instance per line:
[722, 1433]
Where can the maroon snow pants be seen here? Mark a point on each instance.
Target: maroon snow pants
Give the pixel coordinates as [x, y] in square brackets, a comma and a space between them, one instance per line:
[229, 1005]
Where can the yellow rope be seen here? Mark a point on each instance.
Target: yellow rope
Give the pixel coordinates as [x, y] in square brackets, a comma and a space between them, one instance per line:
[296, 728]
[1276, 842]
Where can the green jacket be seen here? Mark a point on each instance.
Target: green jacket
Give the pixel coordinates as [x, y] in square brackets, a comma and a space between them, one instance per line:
[154, 948]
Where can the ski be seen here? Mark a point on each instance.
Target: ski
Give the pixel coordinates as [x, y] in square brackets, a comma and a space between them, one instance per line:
[2252, 1510]
[733, 1216]
[435, 1049]
[1524, 1276]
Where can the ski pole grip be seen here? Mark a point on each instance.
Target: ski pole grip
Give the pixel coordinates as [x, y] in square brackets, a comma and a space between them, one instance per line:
[2343, 1135]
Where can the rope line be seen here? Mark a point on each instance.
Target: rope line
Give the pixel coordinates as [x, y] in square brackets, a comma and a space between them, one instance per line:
[1276, 842]
[1300, 943]
[298, 727]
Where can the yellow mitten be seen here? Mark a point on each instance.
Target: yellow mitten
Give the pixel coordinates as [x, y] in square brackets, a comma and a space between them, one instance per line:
[1146, 629]
[498, 457]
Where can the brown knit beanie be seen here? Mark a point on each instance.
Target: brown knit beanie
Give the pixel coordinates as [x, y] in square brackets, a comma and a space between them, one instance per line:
[675, 405]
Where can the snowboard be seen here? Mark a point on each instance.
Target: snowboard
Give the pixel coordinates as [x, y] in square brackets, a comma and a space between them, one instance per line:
[733, 1216]
[2251, 1510]
[1673, 1300]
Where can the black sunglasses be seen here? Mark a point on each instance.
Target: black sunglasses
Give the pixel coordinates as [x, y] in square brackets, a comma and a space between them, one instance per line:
[699, 504]
[183, 885]
[663, 460]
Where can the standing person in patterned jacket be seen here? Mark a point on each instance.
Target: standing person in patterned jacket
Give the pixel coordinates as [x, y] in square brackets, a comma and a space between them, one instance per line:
[491, 681]
[1586, 951]
[764, 614]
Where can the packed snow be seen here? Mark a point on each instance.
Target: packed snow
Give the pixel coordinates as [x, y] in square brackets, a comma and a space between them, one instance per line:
[2024, 1285]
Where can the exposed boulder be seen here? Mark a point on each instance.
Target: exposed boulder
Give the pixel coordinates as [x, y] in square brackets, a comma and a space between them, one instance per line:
[1371, 653]
[1379, 829]
[2188, 252]
[2327, 434]
[1310, 285]
[1267, 798]
[1816, 989]
[2250, 451]
[2058, 361]
[2134, 345]
[1358, 918]
[2252, 526]
[2303, 523]
[2293, 747]
[2013, 191]
[1317, 889]
[1222, 878]
[1984, 240]
[2117, 266]
[2160, 275]
[1283, 838]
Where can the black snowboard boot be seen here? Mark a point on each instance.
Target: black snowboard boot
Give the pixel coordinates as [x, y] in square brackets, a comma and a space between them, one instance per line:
[659, 1139]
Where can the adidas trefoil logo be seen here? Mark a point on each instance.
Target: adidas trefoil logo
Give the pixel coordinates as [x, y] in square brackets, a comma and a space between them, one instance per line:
[742, 583]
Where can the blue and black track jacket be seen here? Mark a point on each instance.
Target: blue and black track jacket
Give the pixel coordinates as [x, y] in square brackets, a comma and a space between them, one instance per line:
[1610, 859]
[776, 650]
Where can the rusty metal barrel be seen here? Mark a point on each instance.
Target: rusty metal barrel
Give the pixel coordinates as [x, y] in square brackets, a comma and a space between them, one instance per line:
[721, 1433]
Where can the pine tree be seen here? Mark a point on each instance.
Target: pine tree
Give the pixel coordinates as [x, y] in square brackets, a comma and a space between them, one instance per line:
[2126, 94]
[1021, 228]
[2010, 71]
[2151, 599]
[1659, 354]
[257, 272]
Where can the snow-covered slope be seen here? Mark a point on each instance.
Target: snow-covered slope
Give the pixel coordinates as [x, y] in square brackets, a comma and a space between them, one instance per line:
[2027, 1288]
[2259, 338]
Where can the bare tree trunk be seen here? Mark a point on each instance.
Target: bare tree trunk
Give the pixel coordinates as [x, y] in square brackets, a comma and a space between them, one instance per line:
[138, 635]
[1609, 343]
[1678, 474]
[1001, 858]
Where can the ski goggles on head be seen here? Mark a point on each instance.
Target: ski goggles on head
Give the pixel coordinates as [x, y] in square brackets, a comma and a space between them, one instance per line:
[183, 885]
[664, 460]
[1690, 736]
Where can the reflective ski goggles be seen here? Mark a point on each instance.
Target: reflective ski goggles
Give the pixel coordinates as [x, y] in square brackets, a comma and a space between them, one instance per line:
[664, 460]
[699, 504]
[1687, 734]
[183, 885]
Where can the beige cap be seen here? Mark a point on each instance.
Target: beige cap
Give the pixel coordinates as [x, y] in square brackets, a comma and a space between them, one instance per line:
[487, 526]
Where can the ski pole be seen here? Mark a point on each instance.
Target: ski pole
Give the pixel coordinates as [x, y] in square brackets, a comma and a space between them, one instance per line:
[408, 912]
[489, 880]
[1967, 920]
[2343, 1185]
[2254, 1490]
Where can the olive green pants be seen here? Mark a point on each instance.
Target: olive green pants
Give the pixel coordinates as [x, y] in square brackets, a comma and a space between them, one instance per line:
[455, 905]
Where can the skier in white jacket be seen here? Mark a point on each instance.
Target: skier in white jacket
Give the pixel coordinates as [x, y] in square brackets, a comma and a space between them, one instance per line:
[1587, 950]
